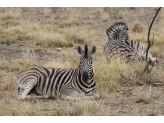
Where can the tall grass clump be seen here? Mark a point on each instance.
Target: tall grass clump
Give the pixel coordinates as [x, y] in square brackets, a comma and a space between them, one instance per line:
[19, 65]
[9, 82]
[10, 13]
[51, 40]
[67, 59]
[24, 31]
[14, 67]
[107, 73]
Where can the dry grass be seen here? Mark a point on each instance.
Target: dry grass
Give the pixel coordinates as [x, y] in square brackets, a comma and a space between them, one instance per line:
[16, 66]
[45, 29]
[10, 13]
[46, 36]
[13, 68]
[46, 11]
[145, 94]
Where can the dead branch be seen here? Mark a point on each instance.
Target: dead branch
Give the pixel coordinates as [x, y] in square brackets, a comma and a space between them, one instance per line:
[146, 64]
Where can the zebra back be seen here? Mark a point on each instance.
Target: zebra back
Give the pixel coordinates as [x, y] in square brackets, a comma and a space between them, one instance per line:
[129, 50]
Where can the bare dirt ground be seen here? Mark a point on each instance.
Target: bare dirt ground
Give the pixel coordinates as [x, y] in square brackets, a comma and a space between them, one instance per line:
[117, 98]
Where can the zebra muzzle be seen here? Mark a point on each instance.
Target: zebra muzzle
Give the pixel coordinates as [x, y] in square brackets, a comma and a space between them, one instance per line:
[85, 76]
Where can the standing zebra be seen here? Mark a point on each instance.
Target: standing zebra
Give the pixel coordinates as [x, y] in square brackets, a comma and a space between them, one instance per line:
[118, 31]
[129, 50]
[55, 82]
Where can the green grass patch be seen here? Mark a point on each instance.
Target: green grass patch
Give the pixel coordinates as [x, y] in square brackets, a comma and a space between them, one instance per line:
[54, 9]
[24, 9]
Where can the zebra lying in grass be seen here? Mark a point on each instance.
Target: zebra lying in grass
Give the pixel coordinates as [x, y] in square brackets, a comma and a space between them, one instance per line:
[119, 44]
[128, 50]
[65, 84]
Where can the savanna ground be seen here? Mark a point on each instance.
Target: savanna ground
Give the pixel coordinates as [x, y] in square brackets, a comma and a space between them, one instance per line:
[30, 37]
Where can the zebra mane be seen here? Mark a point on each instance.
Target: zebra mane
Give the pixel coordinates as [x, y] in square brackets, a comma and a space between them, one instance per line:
[86, 50]
[119, 23]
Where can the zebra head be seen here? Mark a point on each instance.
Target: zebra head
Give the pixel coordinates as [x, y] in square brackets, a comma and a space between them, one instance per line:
[151, 60]
[118, 31]
[86, 69]
[154, 61]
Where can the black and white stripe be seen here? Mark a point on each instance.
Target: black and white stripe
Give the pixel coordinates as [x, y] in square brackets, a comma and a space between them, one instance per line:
[55, 82]
[129, 50]
[118, 31]
[119, 44]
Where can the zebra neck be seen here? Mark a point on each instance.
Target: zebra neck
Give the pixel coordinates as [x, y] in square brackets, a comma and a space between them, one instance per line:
[82, 86]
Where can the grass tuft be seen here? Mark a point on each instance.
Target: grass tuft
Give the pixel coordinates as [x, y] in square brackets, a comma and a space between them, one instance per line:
[24, 9]
[54, 9]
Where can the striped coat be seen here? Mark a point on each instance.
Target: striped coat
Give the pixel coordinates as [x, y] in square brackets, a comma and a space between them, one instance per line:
[55, 82]
[118, 44]
[118, 31]
[129, 50]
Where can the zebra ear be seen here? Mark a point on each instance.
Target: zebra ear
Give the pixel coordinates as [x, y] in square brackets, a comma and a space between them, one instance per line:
[93, 50]
[79, 50]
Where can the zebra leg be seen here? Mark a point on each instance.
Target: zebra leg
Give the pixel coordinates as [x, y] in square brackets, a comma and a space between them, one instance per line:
[27, 88]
